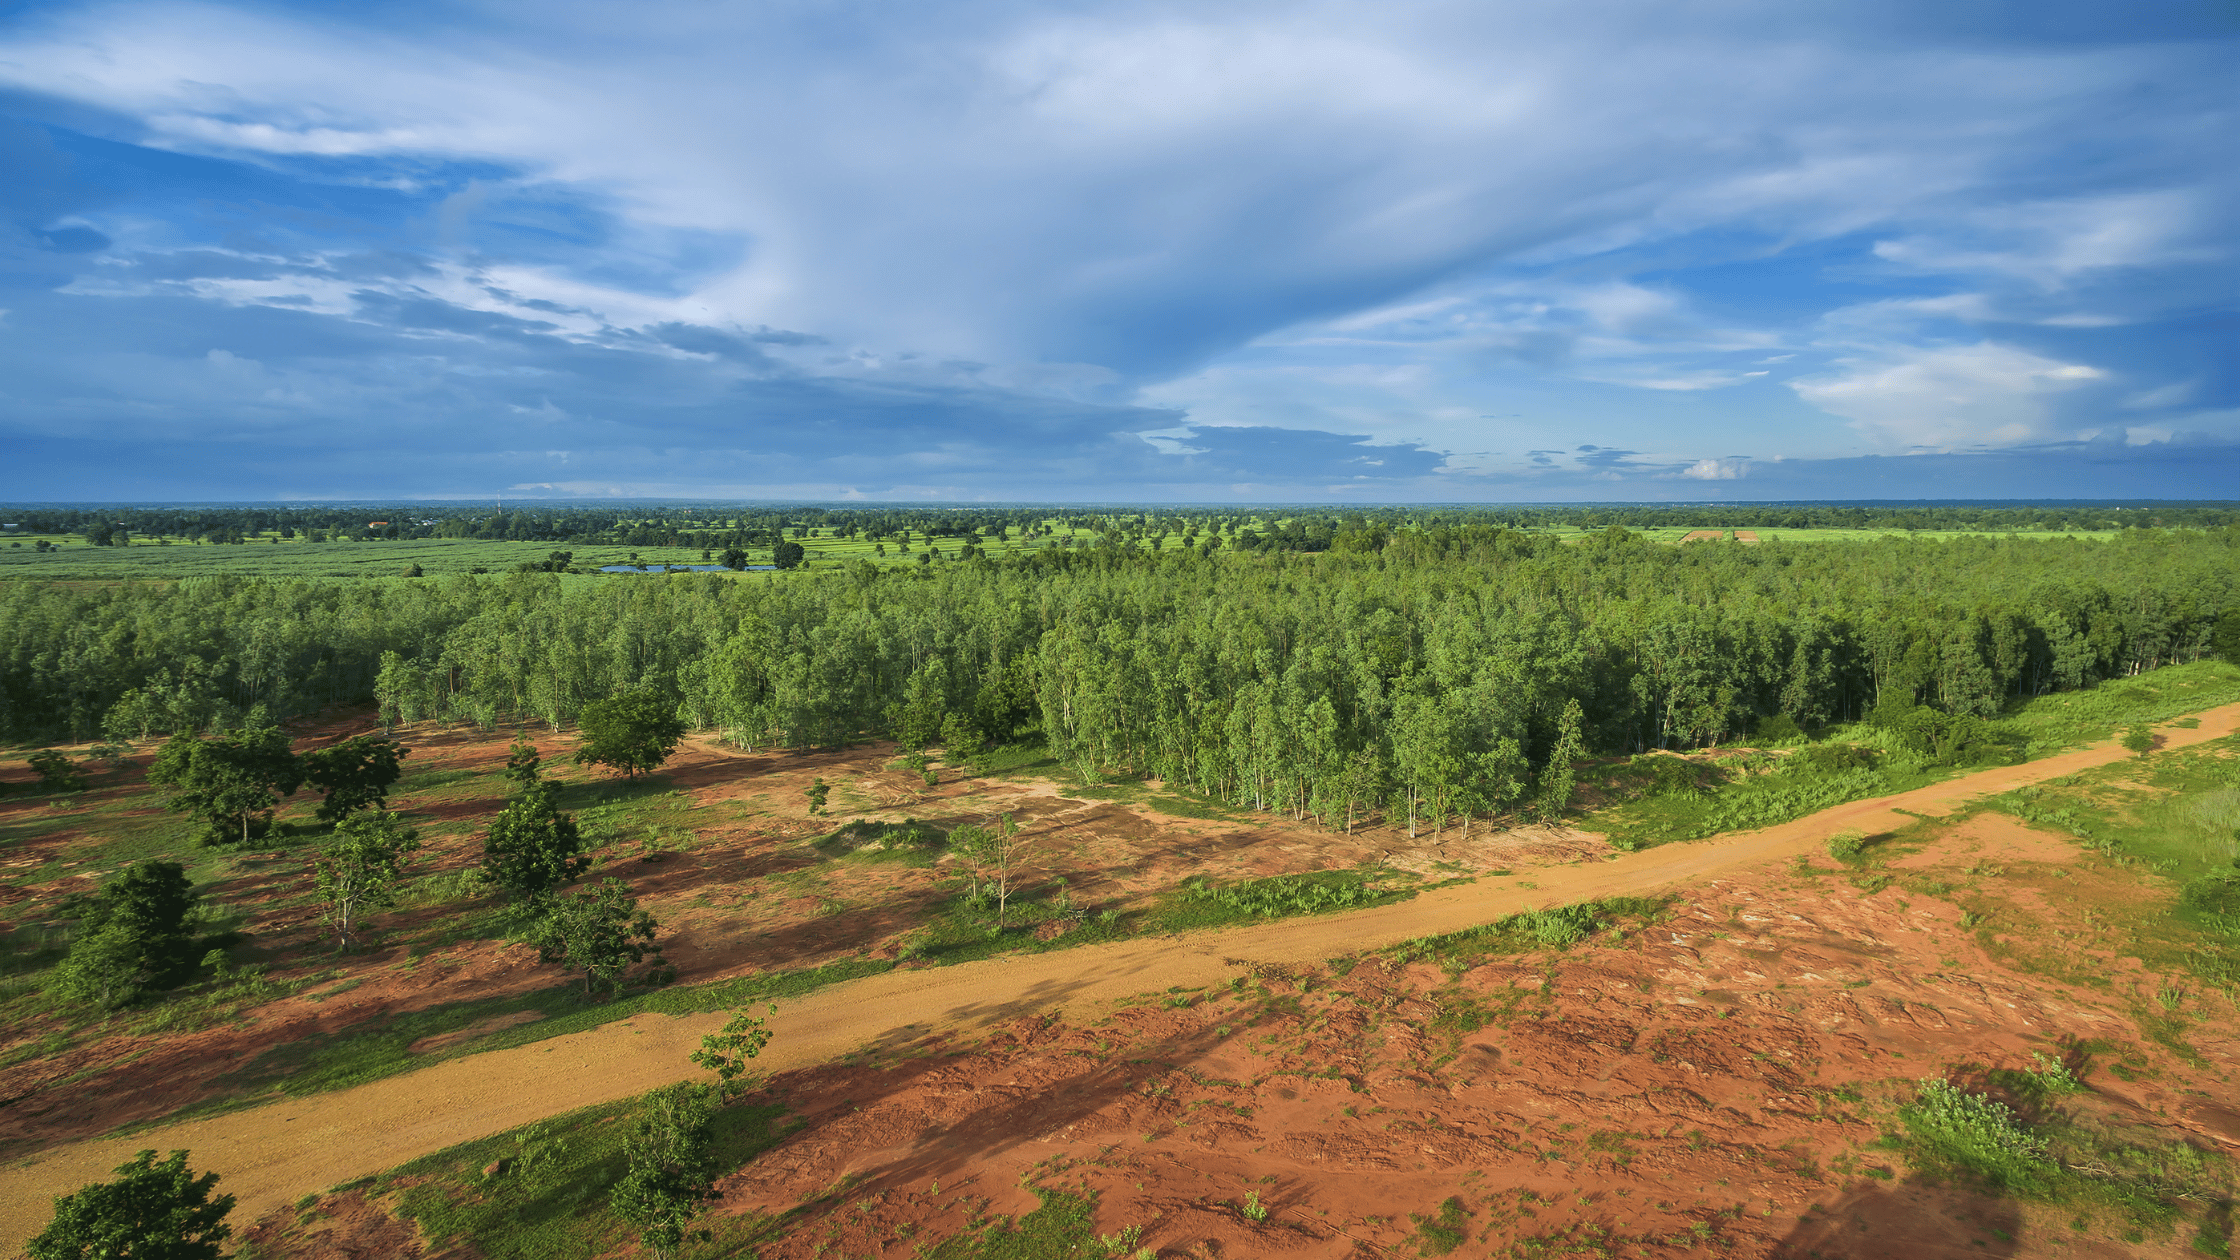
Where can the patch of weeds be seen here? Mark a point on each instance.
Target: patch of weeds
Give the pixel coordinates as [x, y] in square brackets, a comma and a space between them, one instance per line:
[548, 1201]
[1063, 1225]
[2069, 1161]
[1557, 928]
[1443, 1230]
[1968, 1133]
[908, 842]
[1201, 903]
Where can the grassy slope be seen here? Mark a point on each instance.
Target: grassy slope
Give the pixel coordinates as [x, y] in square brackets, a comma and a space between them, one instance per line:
[1754, 797]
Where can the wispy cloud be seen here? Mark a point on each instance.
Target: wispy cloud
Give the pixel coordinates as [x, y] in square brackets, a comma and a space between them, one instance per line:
[996, 243]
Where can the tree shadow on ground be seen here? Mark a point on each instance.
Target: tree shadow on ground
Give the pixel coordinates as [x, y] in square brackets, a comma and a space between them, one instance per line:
[1917, 1217]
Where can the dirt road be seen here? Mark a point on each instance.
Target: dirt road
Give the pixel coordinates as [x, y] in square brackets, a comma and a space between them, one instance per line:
[274, 1154]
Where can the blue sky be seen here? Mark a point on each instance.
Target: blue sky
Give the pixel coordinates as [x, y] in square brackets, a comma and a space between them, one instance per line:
[1607, 250]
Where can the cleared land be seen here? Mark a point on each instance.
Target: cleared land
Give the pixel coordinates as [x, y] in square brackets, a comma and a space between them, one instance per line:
[1721, 1075]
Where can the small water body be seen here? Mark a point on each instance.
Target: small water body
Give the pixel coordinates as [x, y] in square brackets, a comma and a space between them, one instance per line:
[678, 568]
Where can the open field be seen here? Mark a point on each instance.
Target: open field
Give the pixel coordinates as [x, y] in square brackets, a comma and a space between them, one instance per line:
[1691, 534]
[1724, 1068]
[267, 555]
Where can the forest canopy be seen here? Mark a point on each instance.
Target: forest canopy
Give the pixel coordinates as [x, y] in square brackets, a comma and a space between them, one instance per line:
[1444, 659]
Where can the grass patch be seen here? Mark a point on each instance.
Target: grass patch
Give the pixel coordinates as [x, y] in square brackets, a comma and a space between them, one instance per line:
[2164, 826]
[1660, 799]
[1202, 903]
[1063, 1225]
[2069, 718]
[2144, 1184]
[1557, 928]
[550, 1202]
[1441, 1231]
[907, 842]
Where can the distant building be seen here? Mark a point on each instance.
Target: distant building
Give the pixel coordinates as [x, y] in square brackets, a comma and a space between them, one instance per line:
[377, 524]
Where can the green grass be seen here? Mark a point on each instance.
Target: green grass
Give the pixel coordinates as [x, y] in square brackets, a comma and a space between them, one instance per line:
[2171, 817]
[1202, 903]
[1558, 927]
[905, 843]
[2066, 719]
[559, 1211]
[1662, 800]
[1061, 1226]
[1442, 1230]
[558, 1208]
[268, 556]
[2137, 1176]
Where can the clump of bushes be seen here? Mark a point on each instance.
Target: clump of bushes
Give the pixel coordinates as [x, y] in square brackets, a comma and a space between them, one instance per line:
[1282, 895]
[1779, 729]
[1946, 739]
[1846, 846]
[55, 772]
[1970, 1133]
[2217, 893]
[865, 836]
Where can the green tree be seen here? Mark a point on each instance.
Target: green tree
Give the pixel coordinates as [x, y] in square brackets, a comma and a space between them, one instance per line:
[55, 772]
[670, 1177]
[918, 718]
[1557, 778]
[817, 793]
[733, 558]
[2139, 739]
[787, 555]
[633, 733]
[357, 872]
[728, 1052]
[993, 852]
[133, 716]
[532, 848]
[355, 774]
[231, 782]
[602, 933]
[132, 937]
[2226, 637]
[522, 763]
[151, 1211]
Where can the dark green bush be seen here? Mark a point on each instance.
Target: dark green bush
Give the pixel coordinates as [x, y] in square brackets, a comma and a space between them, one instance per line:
[2215, 894]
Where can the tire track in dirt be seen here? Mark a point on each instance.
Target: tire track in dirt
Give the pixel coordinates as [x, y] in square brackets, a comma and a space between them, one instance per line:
[276, 1153]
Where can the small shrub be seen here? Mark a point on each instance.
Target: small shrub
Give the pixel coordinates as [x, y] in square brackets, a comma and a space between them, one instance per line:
[1780, 728]
[1830, 759]
[1439, 1234]
[55, 772]
[1975, 1135]
[2212, 894]
[1556, 929]
[1846, 846]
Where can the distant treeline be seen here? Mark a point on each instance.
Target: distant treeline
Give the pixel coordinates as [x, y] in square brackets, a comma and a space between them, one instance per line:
[1286, 529]
[1450, 663]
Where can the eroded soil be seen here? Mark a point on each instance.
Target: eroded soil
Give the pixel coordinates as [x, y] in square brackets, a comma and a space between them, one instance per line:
[1723, 1075]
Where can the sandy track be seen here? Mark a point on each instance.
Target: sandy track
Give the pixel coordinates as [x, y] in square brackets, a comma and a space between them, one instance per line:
[276, 1153]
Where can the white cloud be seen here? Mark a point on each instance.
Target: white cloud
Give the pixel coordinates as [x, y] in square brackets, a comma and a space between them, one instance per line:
[1730, 469]
[1956, 398]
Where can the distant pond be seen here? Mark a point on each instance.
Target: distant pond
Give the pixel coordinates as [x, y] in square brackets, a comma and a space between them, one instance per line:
[676, 568]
